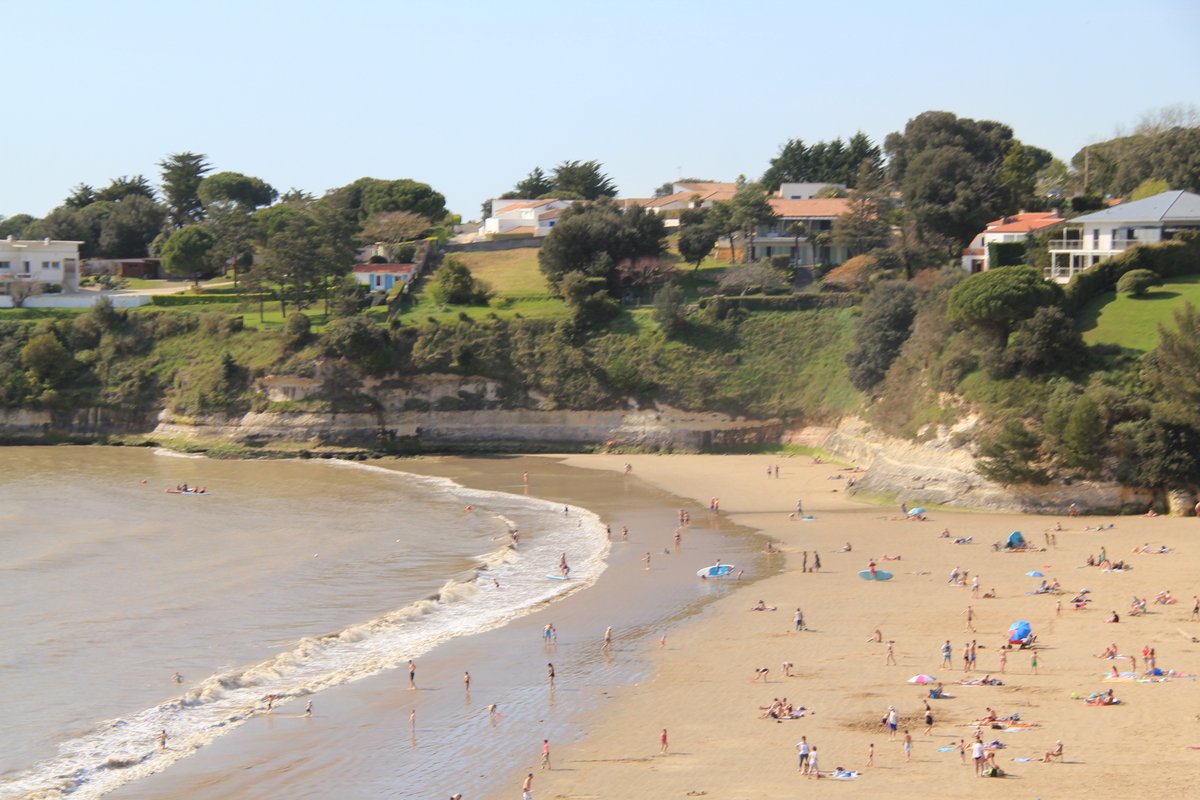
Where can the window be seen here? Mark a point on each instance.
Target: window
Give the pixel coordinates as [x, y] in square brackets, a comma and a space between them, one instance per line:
[28, 267]
[5, 265]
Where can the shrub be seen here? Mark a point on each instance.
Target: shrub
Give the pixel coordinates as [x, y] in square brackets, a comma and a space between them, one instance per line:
[1006, 254]
[298, 328]
[1137, 282]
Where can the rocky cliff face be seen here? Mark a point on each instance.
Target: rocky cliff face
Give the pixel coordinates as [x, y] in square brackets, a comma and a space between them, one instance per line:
[936, 472]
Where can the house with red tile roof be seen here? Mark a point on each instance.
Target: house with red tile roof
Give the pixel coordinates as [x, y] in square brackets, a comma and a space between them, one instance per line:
[523, 217]
[1014, 228]
[384, 277]
[778, 236]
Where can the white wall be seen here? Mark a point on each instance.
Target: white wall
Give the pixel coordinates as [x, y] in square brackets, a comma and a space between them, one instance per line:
[78, 300]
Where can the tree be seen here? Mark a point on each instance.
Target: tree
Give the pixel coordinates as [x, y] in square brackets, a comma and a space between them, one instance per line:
[1083, 435]
[366, 197]
[723, 223]
[188, 251]
[1158, 454]
[670, 308]
[455, 284]
[396, 226]
[534, 185]
[234, 188]
[998, 299]
[130, 226]
[1047, 343]
[1173, 368]
[750, 208]
[588, 299]
[823, 162]
[47, 359]
[695, 243]
[947, 169]
[583, 179]
[1007, 454]
[594, 239]
[291, 260]
[81, 196]
[1137, 282]
[16, 225]
[885, 325]
[182, 174]
[864, 226]
[123, 187]
[1018, 174]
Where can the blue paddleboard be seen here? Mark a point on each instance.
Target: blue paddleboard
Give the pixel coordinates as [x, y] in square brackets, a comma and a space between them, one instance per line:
[880, 575]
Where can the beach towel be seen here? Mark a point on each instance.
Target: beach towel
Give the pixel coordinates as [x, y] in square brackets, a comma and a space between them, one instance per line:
[1123, 676]
[947, 748]
[1022, 760]
[844, 776]
[1019, 726]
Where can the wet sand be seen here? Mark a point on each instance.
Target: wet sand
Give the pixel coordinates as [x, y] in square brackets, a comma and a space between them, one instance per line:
[359, 741]
[701, 686]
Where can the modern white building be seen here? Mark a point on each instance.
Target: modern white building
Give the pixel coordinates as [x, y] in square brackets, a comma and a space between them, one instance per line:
[523, 217]
[808, 191]
[1090, 239]
[39, 263]
[1015, 228]
[799, 230]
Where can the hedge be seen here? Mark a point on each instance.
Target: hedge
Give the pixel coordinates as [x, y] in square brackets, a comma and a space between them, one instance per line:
[206, 299]
[1005, 254]
[791, 302]
[1180, 256]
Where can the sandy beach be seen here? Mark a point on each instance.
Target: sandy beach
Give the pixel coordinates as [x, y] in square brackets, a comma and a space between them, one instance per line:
[702, 690]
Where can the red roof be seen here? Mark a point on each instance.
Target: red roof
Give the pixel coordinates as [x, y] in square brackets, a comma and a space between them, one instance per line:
[395, 269]
[1024, 222]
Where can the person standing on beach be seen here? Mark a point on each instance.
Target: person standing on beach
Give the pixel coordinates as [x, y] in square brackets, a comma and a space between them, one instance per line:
[802, 748]
[804, 565]
[162, 739]
[467, 682]
[1033, 663]
[646, 558]
[907, 746]
[608, 638]
[977, 755]
[1195, 606]
[891, 653]
[308, 709]
[799, 619]
[550, 673]
[527, 788]
[970, 615]
[947, 661]
[892, 719]
[966, 656]
[412, 675]
[816, 561]
[546, 754]
[928, 719]
[871, 754]
[1003, 661]
[972, 654]
[662, 749]
[814, 771]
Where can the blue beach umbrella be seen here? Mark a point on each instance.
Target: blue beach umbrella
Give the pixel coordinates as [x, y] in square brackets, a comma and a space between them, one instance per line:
[1033, 573]
[1019, 630]
[912, 512]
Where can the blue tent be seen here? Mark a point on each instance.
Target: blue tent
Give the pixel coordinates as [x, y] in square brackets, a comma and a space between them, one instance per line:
[1019, 630]
[1015, 540]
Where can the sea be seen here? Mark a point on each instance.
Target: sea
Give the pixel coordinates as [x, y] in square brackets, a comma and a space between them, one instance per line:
[129, 611]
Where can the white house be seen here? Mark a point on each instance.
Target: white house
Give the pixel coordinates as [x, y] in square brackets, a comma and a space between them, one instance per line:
[807, 191]
[377, 277]
[1094, 237]
[814, 217]
[1015, 228]
[685, 195]
[523, 217]
[39, 262]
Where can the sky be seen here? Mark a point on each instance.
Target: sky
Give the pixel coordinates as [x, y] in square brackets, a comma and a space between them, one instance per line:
[469, 97]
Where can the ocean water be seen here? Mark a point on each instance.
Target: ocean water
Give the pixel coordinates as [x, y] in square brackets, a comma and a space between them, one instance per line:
[285, 578]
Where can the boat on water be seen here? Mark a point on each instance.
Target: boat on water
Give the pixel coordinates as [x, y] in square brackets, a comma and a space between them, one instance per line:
[716, 571]
[187, 491]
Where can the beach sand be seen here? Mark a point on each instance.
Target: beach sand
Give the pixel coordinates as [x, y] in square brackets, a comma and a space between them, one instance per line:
[701, 690]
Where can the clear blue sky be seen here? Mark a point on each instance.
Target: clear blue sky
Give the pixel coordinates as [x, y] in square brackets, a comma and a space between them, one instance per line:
[470, 97]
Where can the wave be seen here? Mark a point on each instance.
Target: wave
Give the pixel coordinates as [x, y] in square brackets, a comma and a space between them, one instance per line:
[126, 749]
[164, 451]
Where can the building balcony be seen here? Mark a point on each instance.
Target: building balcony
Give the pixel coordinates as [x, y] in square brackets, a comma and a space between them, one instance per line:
[1087, 246]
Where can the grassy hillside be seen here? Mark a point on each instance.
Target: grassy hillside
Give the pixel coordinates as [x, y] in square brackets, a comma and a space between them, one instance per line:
[1132, 322]
[510, 273]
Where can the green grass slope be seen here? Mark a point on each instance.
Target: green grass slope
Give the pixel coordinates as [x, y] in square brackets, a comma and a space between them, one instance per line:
[1132, 322]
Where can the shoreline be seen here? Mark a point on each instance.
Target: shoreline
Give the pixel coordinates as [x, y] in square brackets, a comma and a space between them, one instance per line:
[730, 752]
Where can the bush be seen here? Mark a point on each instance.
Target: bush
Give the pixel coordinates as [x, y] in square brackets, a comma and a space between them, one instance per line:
[1006, 254]
[207, 299]
[298, 328]
[1137, 282]
[670, 308]
[1181, 256]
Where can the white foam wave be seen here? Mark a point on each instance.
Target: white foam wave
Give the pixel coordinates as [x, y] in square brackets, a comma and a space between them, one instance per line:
[126, 749]
[164, 451]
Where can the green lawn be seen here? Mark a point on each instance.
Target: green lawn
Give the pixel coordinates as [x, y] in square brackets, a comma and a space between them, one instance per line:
[1133, 322]
[510, 273]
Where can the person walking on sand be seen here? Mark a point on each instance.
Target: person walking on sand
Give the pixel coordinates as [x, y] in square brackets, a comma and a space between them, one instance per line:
[970, 615]
[662, 749]
[814, 771]
[816, 561]
[527, 788]
[966, 656]
[871, 754]
[608, 638]
[546, 754]
[907, 746]
[891, 653]
[803, 749]
[928, 719]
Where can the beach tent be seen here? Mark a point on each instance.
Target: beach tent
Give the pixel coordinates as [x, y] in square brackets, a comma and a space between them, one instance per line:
[1019, 630]
[1015, 540]
[1033, 573]
[922, 679]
